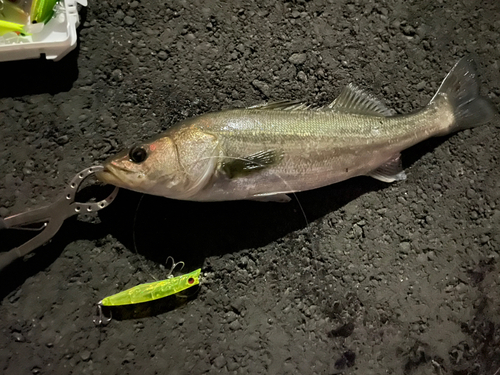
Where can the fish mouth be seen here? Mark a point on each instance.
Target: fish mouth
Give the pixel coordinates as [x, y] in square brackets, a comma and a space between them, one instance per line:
[109, 176]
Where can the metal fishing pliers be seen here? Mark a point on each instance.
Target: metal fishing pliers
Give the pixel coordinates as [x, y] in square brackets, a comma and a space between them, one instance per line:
[50, 218]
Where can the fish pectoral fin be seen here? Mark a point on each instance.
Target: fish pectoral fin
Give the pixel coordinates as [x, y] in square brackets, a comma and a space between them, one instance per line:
[356, 101]
[390, 171]
[243, 166]
[271, 197]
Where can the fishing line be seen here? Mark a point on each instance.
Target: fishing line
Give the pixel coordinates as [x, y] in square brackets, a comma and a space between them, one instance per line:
[261, 165]
[144, 267]
[282, 180]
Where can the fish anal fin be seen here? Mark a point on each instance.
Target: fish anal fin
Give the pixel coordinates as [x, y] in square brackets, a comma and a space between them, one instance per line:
[390, 171]
[243, 166]
[356, 101]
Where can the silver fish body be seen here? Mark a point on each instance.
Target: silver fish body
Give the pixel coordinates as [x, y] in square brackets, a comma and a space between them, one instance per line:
[265, 152]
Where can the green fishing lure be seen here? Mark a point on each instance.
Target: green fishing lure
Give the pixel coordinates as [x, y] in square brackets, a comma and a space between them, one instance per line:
[6, 26]
[42, 10]
[148, 292]
[152, 291]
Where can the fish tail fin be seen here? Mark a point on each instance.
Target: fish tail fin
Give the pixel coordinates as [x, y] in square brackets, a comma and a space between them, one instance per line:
[461, 89]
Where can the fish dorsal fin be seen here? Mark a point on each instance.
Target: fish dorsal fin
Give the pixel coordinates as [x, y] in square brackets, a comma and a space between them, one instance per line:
[351, 100]
[354, 100]
[282, 105]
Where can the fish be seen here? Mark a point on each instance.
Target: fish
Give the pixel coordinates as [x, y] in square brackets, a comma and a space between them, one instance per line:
[267, 151]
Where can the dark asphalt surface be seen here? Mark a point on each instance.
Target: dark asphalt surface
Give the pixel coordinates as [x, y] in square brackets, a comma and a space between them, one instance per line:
[380, 279]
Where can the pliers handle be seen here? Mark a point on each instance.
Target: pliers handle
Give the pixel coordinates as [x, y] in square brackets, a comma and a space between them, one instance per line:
[50, 218]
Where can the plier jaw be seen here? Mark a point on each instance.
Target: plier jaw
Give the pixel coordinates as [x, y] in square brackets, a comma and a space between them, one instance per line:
[50, 218]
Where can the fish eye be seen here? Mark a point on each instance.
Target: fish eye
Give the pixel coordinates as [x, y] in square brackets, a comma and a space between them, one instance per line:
[137, 154]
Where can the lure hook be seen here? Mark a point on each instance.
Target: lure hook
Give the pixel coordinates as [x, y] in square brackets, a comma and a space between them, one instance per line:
[100, 319]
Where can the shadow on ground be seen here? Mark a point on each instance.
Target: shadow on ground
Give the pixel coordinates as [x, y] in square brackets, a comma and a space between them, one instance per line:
[157, 227]
[192, 231]
[39, 76]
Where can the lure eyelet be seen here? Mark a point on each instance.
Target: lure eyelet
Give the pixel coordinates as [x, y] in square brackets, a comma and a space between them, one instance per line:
[137, 154]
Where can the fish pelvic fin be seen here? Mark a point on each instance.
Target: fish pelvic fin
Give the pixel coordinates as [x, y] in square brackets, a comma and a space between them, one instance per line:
[461, 89]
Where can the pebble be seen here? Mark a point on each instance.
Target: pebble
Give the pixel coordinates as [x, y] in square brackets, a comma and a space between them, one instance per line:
[358, 231]
[302, 76]
[4, 211]
[238, 305]
[471, 194]
[220, 362]
[62, 140]
[422, 258]
[484, 239]
[117, 75]
[243, 262]
[129, 20]
[235, 326]
[85, 355]
[408, 30]
[231, 317]
[262, 86]
[404, 247]
[15, 296]
[421, 85]
[298, 58]
[232, 366]
[18, 337]
[119, 14]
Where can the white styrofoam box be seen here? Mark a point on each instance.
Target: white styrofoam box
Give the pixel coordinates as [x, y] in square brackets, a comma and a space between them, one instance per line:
[55, 40]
